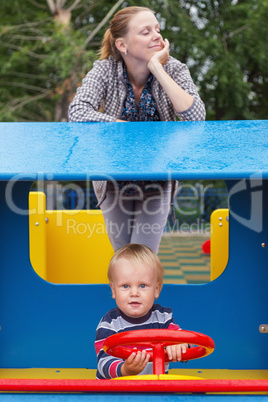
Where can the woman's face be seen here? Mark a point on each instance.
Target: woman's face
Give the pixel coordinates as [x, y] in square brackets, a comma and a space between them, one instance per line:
[143, 38]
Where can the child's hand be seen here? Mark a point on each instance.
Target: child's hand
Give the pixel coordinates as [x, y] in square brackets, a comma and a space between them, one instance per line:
[135, 363]
[174, 351]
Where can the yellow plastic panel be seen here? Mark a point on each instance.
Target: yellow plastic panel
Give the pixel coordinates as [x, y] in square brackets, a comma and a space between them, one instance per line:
[219, 249]
[49, 373]
[138, 377]
[224, 374]
[37, 232]
[75, 248]
[178, 377]
[158, 377]
[80, 373]
[78, 247]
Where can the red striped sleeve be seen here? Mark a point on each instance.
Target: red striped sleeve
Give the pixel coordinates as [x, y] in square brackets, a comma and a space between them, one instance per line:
[99, 345]
[112, 369]
[173, 326]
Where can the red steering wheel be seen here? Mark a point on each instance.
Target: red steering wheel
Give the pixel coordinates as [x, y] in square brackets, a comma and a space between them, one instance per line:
[122, 344]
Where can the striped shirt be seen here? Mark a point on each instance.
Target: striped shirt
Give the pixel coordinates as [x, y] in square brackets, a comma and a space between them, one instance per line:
[116, 321]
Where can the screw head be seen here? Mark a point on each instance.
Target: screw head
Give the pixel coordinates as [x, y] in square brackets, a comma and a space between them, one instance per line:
[36, 223]
[263, 245]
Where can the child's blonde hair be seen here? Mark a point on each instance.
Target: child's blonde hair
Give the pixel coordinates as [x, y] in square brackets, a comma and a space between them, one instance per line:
[138, 254]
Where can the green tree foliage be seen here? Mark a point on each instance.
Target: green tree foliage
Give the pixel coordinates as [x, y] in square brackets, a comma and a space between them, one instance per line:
[232, 58]
[43, 58]
[46, 51]
[224, 43]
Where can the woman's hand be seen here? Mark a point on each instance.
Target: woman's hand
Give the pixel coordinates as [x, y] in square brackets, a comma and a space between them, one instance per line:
[174, 351]
[135, 363]
[180, 99]
[160, 57]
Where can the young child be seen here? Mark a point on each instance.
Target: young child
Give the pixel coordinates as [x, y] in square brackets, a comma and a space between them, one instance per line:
[135, 274]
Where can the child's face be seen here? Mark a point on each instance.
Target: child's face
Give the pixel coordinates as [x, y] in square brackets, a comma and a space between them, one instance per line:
[134, 288]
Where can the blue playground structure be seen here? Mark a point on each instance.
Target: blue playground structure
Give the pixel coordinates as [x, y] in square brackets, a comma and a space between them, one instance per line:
[47, 330]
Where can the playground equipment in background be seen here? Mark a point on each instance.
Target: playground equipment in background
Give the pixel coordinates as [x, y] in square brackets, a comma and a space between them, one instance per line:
[206, 247]
[51, 327]
[218, 245]
[65, 244]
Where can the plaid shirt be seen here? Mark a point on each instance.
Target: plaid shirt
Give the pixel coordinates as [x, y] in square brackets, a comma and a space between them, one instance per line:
[104, 85]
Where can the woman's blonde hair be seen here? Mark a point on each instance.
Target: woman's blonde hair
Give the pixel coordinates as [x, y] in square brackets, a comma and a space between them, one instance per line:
[138, 254]
[118, 29]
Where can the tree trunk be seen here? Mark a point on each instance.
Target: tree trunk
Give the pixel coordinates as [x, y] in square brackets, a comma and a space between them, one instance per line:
[62, 16]
[62, 105]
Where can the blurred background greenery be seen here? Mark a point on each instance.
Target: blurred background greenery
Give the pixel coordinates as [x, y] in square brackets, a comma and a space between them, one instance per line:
[47, 47]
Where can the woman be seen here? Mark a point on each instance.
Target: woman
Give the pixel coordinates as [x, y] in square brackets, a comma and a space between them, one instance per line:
[136, 80]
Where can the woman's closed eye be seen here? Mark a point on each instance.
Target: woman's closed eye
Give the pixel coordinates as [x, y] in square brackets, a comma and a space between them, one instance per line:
[147, 32]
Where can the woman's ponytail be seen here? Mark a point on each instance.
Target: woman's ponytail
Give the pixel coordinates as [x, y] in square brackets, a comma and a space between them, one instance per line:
[108, 47]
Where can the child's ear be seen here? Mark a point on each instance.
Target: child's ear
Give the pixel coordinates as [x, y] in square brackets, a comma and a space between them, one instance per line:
[112, 288]
[157, 290]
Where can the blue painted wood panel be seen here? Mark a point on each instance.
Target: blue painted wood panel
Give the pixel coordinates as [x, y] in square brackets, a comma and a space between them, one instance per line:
[225, 149]
[130, 397]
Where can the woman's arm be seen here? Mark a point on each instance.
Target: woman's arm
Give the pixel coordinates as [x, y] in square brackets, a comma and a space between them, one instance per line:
[89, 98]
[179, 88]
[180, 99]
